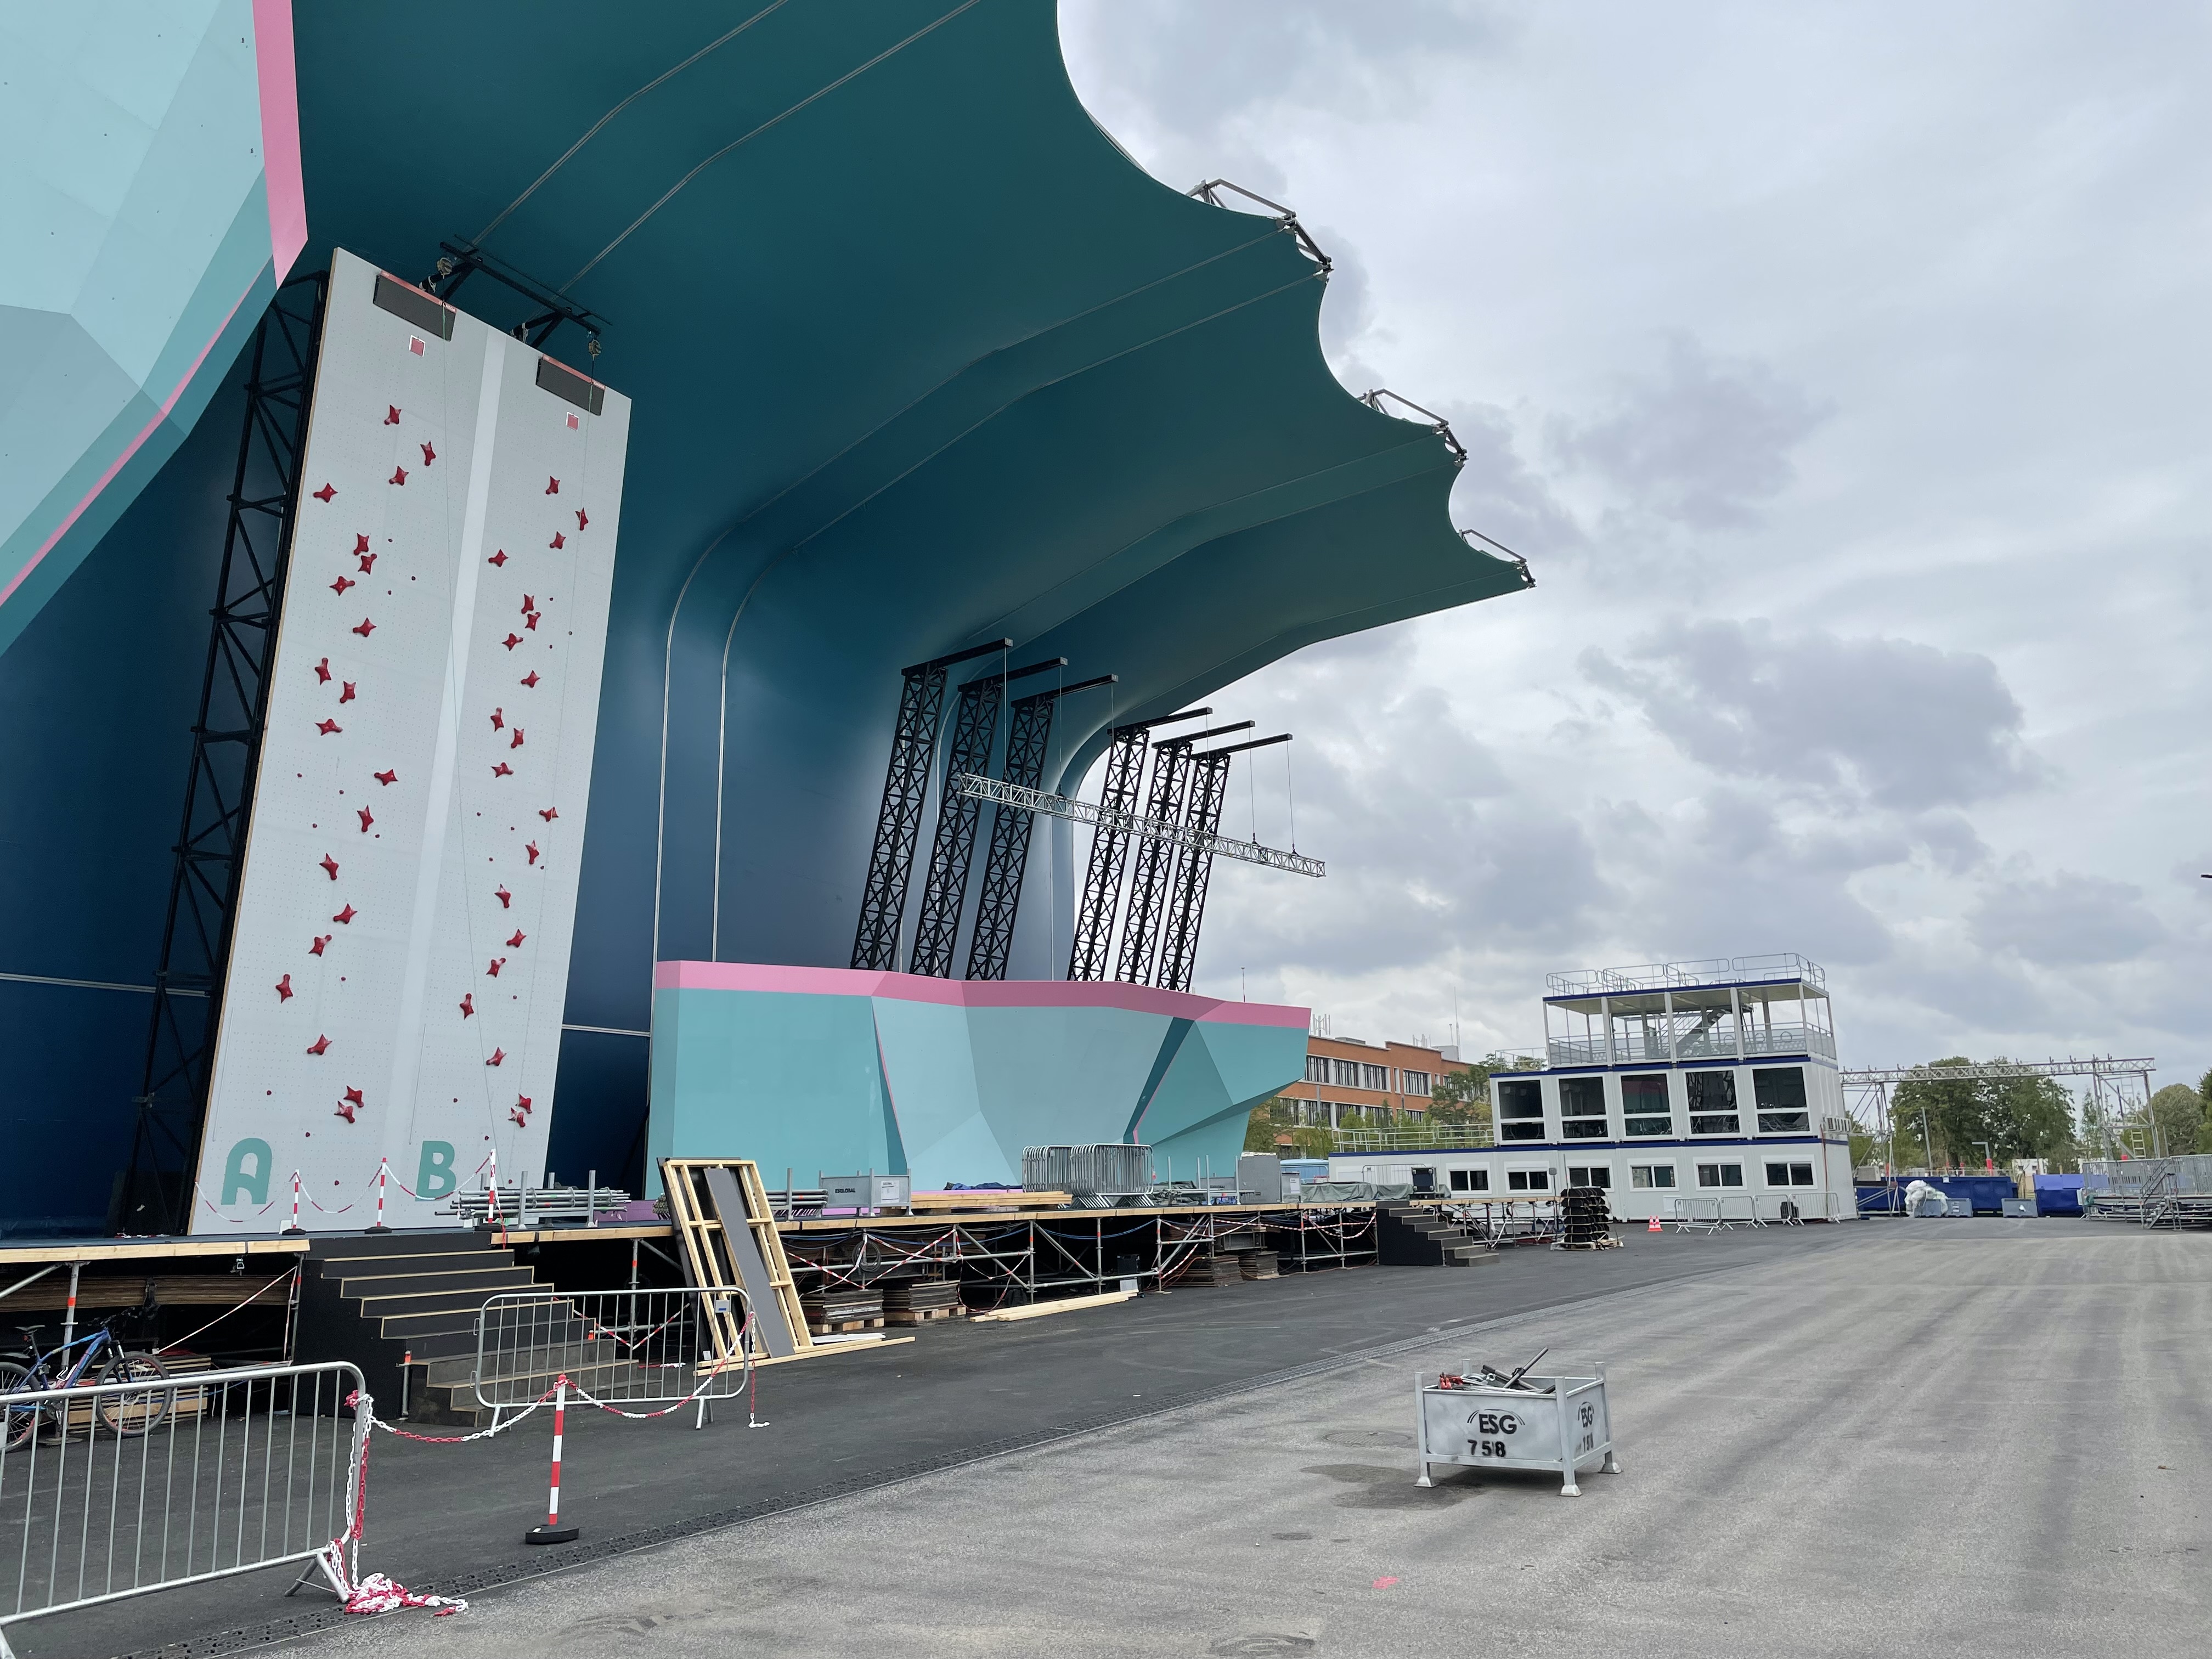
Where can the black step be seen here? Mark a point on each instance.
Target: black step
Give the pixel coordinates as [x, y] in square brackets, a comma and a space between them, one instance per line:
[488, 1278]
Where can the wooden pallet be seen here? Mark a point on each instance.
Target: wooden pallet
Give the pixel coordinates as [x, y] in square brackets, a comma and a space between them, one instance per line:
[921, 1315]
[841, 1327]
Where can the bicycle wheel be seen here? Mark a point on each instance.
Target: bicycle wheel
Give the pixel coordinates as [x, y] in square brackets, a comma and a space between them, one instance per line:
[22, 1422]
[130, 1413]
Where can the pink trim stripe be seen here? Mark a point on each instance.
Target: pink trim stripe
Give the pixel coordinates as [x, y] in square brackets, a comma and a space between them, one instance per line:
[280, 131]
[970, 993]
[123, 459]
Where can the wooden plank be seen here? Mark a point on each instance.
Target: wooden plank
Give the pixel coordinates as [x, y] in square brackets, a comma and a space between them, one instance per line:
[1039, 1310]
[989, 1201]
[870, 1343]
[146, 1249]
[1228, 1213]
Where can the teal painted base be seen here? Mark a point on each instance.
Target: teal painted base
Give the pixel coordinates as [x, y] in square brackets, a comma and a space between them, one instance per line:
[825, 1071]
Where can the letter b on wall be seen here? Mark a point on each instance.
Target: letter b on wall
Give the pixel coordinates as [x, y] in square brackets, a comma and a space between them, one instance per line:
[436, 1178]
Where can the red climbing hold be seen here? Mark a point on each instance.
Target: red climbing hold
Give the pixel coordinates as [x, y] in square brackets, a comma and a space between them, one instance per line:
[324, 494]
[321, 941]
[366, 629]
[512, 641]
[328, 726]
[321, 1045]
[497, 1055]
[516, 744]
[522, 1103]
[581, 520]
[284, 989]
[399, 475]
[353, 1097]
[552, 486]
[343, 583]
[387, 778]
[497, 558]
[360, 543]
[496, 964]
[559, 540]
[520, 1119]
[529, 605]
[531, 848]
[331, 865]
[530, 678]
[428, 455]
[366, 819]
[504, 897]
[549, 813]
[497, 720]
[515, 944]
[468, 1004]
[391, 415]
[345, 915]
[530, 621]
[368, 564]
[502, 770]
[346, 1108]
[323, 671]
[346, 693]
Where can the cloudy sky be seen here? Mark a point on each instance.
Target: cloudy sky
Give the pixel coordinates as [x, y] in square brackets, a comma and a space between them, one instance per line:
[1842, 370]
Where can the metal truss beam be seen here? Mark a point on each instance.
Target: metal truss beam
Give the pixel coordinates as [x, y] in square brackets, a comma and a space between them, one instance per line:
[1102, 880]
[210, 848]
[2002, 1069]
[952, 849]
[1149, 884]
[1185, 836]
[1028, 737]
[1179, 951]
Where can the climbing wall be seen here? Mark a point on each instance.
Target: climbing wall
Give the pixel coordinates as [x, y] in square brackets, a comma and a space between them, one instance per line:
[401, 948]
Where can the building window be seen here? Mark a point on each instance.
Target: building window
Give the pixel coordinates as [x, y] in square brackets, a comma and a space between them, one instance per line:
[1644, 1106]
[1417, 1082]
[1317, 1068]
[1520, 1111]
[1582, 1108]
[1344, 1073]
[1780, 1092]
[1789, 1174]
[1720, 1175]
[1376, 1077]
[1470, 1181]
[1528, 1181]
[1651, 1174]
[1712, 1102]
[1590, 1175]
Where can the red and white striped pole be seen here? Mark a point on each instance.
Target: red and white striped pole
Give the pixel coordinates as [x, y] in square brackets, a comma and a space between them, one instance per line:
[292, 1226]
[383, 1170]
[553, 1532]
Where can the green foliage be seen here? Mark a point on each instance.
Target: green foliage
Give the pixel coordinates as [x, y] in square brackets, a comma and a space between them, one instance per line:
[1460, 1097]
[2178, 1111]
[2018, 1117]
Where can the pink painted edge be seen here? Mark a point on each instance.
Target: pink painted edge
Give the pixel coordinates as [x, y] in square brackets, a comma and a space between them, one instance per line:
[274, 67]
[970, 993]
[123, 459]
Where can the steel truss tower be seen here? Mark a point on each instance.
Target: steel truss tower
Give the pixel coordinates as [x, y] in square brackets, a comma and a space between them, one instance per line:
[1028, 740]
[1179, 951]
[1148, 884]
[156, 1195]
[898, 822]
[952, 849]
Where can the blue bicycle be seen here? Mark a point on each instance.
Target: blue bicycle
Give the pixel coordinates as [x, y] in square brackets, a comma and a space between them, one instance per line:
[125, 1414]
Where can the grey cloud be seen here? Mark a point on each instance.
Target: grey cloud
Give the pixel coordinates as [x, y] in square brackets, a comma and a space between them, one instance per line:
[1498, 494]
[1348, 310]
[1910, 725]
[1701, 442]
[2065, 920]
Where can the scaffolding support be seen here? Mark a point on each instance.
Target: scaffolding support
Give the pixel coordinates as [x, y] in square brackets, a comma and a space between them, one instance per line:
[210, 848]
[898, 821]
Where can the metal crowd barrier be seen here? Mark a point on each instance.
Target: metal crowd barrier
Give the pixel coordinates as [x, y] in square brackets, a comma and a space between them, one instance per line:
[122, 1488]
[620, 1348]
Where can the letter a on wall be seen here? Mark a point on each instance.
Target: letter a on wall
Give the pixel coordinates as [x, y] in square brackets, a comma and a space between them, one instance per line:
[400, 953]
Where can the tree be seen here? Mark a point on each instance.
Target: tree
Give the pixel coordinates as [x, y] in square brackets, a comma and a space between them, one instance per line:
[1955, 1118]
[1460, 1097]
[2178, 1112]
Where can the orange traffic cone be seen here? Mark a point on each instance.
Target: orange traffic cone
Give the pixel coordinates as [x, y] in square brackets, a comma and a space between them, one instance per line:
[1654, 1227]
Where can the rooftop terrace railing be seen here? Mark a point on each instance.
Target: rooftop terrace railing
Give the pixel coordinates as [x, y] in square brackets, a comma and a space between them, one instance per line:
[1685, 976]
[1635, 1048]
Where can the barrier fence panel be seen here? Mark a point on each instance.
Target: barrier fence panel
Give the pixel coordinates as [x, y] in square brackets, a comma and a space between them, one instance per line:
[122, 1488]
[616, 1348]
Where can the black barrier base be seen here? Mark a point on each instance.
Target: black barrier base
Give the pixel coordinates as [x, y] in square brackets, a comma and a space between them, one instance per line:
[544, 1535]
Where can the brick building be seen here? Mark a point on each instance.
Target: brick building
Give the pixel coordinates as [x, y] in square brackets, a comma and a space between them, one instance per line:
[1391, 1080]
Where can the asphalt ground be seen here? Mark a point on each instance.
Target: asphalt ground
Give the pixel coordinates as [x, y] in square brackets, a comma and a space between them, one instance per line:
[1914, 1431]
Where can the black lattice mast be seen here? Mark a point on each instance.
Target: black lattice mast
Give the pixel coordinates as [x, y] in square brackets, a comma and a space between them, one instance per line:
[1179, 952]
[1152, 880]
[952, 849]
[898, 822]
[1029, 739]
[210, 848]
[1102, 877]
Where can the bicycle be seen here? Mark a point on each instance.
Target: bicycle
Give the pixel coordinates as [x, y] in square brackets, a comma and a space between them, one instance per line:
[125, 1415]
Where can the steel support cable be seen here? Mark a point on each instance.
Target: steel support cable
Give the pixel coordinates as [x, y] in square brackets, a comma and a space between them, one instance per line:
[773, 120]
[569, 153]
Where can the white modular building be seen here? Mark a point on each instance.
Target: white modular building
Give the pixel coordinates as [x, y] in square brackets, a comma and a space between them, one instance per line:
[1714, 1081]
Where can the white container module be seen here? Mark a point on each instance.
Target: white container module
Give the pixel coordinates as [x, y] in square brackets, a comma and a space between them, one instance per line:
[1557, 1423]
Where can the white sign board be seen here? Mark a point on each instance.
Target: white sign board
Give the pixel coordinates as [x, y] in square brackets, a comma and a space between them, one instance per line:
[400, 953]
